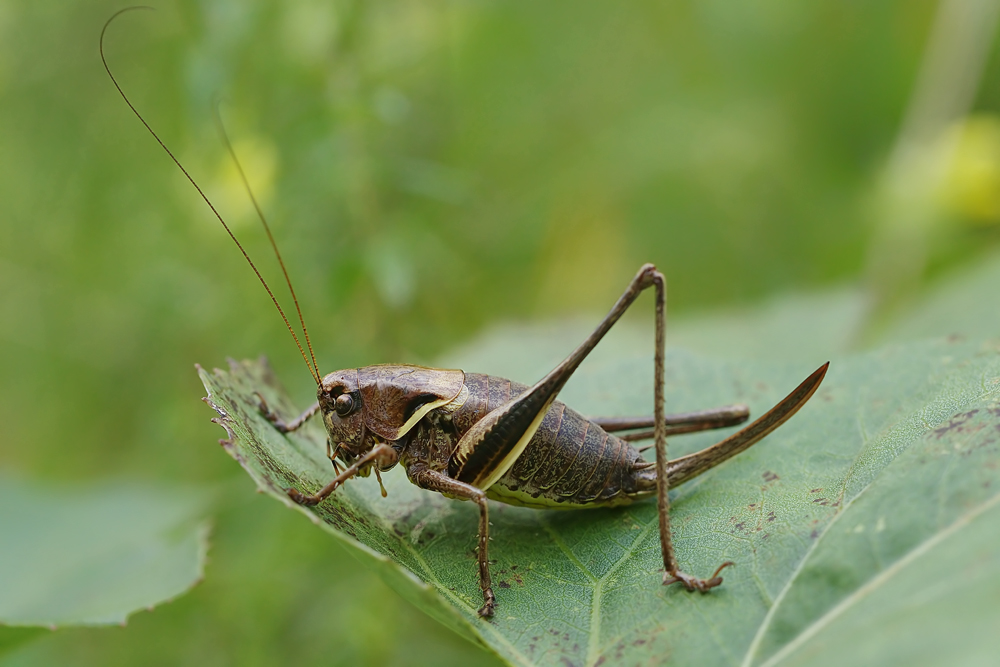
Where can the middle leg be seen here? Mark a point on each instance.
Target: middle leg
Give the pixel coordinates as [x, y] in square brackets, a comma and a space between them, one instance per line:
[684, 422]
[432, 480]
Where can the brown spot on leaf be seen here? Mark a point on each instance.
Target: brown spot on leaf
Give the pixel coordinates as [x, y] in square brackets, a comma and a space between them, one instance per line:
[503, 584]
[955, 424]
[770, 476]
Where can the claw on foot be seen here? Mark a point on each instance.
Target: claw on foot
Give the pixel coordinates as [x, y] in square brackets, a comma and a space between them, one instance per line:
[489, 604]
[694, 583]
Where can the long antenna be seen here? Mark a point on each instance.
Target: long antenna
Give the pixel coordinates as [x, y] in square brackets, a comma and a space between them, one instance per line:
[267, 228]
[314, 371]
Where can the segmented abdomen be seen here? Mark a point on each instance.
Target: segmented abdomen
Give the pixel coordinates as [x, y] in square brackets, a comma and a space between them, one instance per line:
[570, 462]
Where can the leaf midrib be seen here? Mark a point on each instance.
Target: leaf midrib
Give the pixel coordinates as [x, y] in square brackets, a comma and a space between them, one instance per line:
[593, 643]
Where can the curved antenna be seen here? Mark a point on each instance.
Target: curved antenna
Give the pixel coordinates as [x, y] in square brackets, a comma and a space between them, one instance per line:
[312, 371]
[267, 228]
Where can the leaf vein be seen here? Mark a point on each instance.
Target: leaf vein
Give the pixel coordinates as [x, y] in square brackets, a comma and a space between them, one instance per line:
[842, 510]
[880, 579]
[593, 643]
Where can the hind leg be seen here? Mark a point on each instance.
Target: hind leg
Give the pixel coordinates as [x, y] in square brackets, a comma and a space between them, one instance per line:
[672, 574]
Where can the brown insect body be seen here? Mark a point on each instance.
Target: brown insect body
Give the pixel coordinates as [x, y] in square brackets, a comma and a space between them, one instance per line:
[570, 462]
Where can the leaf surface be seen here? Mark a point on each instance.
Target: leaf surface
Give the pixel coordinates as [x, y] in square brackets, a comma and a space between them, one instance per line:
[961, 303]
[834, 519]
[93, 554]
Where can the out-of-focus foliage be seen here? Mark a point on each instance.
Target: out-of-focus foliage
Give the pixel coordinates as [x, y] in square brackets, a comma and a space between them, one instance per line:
[95, 554]
[428, 168]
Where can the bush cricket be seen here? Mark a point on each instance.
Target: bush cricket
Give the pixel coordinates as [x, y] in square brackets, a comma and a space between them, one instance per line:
[475, 437]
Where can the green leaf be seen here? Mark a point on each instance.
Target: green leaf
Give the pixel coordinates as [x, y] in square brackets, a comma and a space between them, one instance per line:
[843, 516]
[92, 555]
[956, 304]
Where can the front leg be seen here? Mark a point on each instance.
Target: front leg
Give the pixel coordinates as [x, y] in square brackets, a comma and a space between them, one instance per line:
[381, 455]
[432, 480]
[279, 423]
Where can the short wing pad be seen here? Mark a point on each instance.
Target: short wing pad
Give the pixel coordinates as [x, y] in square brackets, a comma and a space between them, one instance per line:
[396, 396]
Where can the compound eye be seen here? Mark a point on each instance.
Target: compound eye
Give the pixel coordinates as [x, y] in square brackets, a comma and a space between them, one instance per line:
[344, 404]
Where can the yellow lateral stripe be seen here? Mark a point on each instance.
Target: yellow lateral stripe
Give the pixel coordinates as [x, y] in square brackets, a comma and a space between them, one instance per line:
[507, 496]
[514, 454]
[420, 413]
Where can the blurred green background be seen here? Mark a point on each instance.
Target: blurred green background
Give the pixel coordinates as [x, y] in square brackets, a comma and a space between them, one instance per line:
[429, 168]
